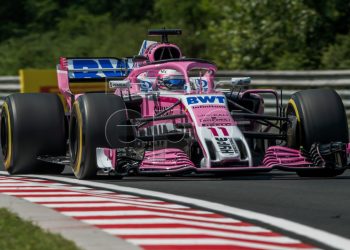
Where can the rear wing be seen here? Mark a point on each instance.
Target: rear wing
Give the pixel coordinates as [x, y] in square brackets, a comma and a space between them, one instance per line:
[95, 69]
[89, 74]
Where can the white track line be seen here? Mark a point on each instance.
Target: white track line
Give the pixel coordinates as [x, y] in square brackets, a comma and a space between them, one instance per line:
[3, 189]
[204, 241]
[160, 221]
[41, 193]
[137, 199]
[318, 235]
[101, 192]
[83, 205]
[101, 205]
[9, 181]
[21, 184]
[87, 197]
[145, 212]
[26, 184]
[84, 197]
[64, 199]
[141, 203]
[79, 188]
[195, 231]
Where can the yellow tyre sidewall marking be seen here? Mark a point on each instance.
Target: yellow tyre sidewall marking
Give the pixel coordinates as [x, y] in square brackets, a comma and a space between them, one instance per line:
[291, 102]
[7, 160]
[76, 167]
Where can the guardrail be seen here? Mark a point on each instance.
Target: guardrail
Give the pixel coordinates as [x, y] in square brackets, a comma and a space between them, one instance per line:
[8, 85]
[288, 81]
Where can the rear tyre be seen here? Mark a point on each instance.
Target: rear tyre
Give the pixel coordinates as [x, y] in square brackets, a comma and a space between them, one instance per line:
[321, 118]
[32, 125]
[88, 129]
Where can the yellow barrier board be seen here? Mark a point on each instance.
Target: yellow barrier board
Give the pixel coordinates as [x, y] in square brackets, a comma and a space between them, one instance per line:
[45, 80]
[37, 80]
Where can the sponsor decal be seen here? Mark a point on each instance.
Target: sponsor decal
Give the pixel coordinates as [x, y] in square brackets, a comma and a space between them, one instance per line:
[223, 130]
[200, 83]
[123, 84]
[146, 86]
[213, 99]
[226, 145]
[145, 45]
[209, 115]
[98, 68]
[158, 109]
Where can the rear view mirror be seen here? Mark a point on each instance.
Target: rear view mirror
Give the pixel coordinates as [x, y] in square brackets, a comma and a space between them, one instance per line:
[241, 81]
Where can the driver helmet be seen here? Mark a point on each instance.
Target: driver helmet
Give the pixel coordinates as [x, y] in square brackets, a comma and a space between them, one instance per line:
[171, 79]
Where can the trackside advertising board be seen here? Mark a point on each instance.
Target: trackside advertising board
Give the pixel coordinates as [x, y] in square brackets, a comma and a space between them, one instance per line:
[45, 81]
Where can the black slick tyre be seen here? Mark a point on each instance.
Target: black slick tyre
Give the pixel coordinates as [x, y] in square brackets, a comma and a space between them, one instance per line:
[321, 118]
[88, 130]
[32, 125]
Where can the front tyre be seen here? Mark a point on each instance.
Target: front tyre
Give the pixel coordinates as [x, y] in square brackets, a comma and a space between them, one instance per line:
[87, 130]
[321, 118]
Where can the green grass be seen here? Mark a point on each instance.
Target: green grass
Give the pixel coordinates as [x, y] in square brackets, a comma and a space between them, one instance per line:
[16, 233]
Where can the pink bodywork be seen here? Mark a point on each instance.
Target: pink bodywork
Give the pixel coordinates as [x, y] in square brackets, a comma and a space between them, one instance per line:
[173, 160]
[183, 67]
[63, 83]
[277, 156]
[169, 159]
[150, 51]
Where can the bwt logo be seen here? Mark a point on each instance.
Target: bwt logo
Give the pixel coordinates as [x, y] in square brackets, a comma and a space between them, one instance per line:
[205, 99]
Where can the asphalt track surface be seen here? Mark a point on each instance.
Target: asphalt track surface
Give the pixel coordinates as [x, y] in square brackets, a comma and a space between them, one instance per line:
[322, 203]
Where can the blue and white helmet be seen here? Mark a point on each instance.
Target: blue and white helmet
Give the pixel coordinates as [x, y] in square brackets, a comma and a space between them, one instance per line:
[171, 79]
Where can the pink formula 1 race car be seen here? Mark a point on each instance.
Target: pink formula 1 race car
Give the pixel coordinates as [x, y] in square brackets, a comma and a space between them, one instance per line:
[167, 116]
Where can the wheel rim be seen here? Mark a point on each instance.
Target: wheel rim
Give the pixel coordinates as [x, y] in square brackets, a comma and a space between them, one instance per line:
[295, 142]
[76, 140]
[4, 135]
[73, 141]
